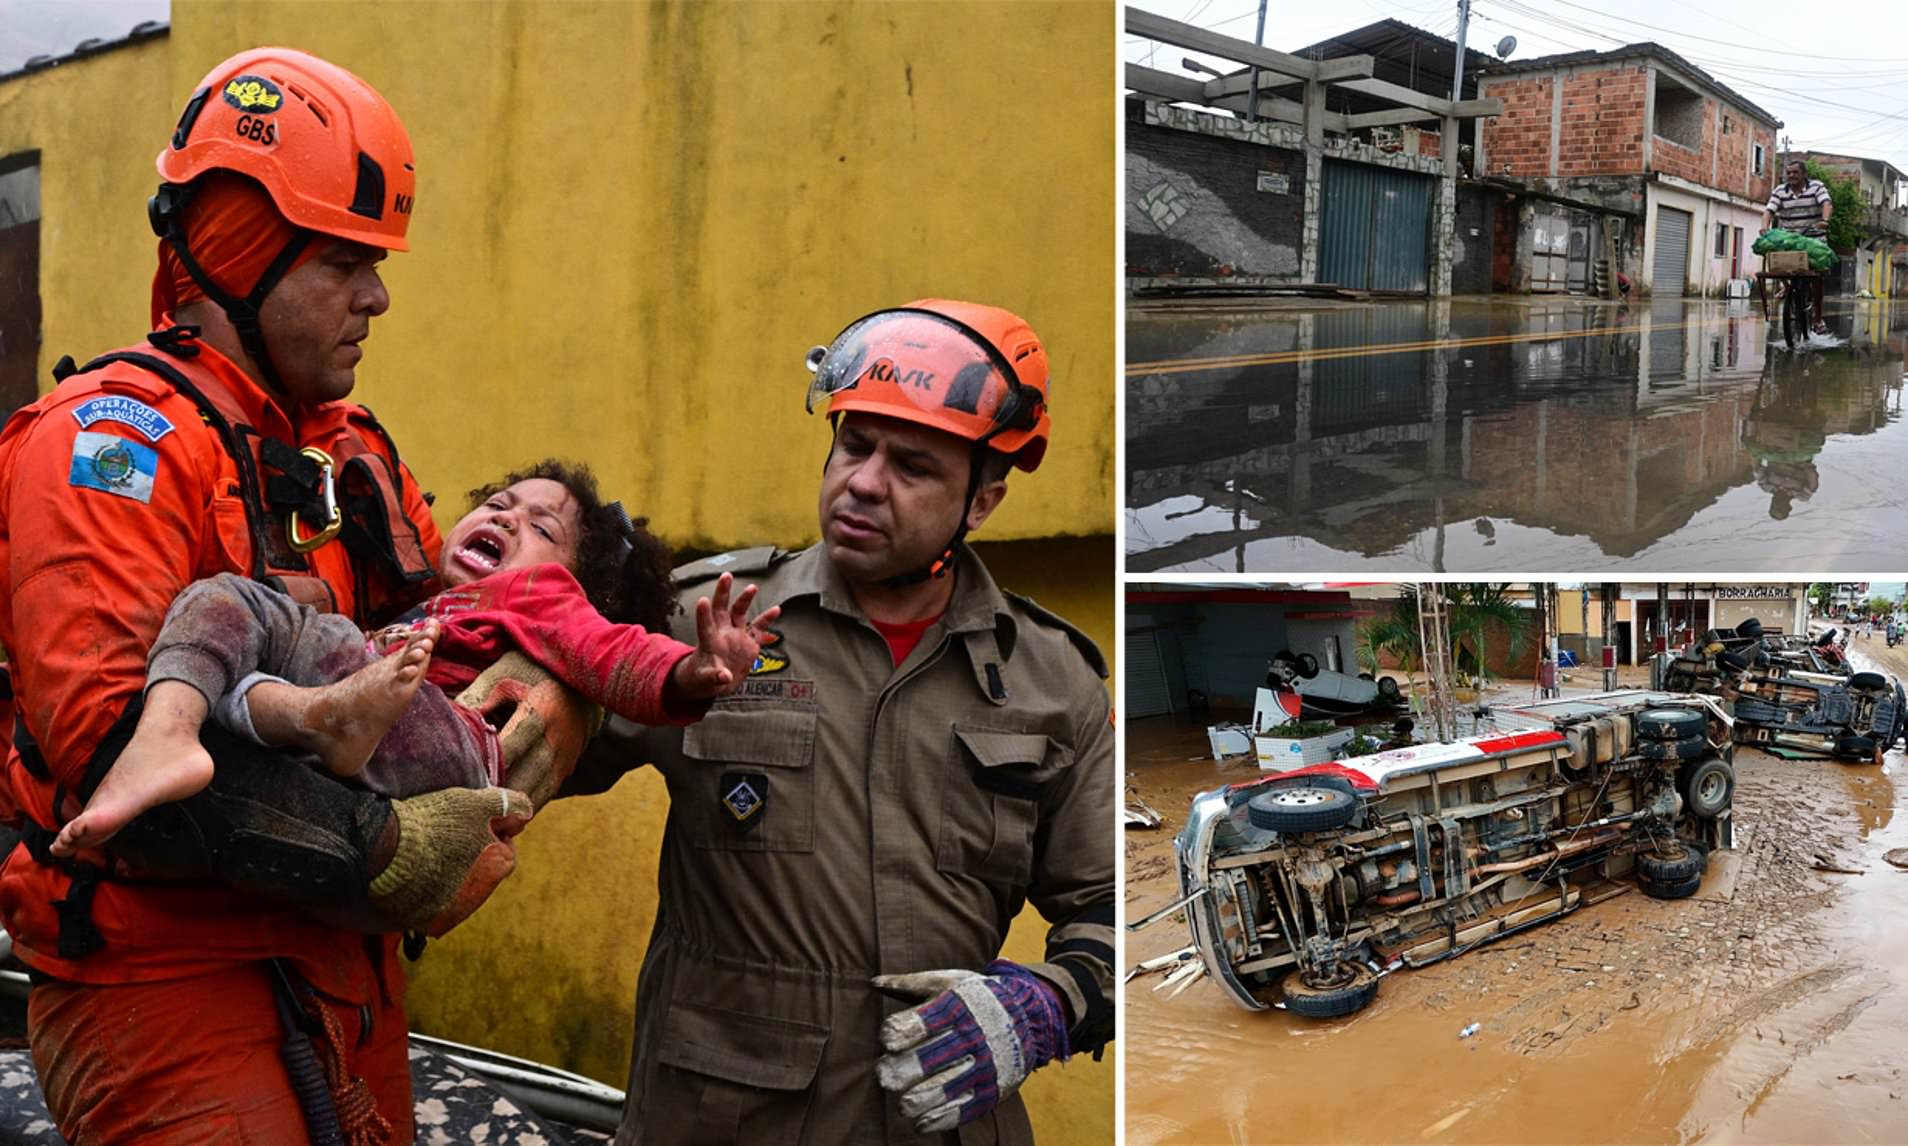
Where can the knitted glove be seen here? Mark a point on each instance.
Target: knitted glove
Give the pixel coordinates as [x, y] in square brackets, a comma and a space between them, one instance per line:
[547, 725]
[975, 1040]
[453, 850]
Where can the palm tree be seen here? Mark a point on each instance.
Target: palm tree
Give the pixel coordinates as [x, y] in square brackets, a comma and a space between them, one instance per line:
[1475, 607]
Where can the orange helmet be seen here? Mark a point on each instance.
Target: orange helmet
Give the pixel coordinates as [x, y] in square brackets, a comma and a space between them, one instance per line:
[325, 145]
[978, 372]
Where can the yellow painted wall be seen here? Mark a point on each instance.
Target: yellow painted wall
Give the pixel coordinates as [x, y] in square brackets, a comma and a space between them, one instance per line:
[632, 221]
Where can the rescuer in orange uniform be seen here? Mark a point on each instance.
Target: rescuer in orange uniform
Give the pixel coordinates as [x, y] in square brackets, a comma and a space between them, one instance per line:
[220, 444]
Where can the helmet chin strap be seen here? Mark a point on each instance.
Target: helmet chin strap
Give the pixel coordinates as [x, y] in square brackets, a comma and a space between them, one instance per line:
[168, 210]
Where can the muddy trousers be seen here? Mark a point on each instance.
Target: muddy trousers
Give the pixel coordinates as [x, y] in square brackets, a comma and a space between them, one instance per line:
[196, 1061]
[226, 633]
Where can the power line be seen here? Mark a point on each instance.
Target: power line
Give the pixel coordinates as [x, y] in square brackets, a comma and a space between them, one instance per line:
[1731, 44]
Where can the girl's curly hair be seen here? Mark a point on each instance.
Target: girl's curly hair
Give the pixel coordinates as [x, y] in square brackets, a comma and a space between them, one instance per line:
[637, 590]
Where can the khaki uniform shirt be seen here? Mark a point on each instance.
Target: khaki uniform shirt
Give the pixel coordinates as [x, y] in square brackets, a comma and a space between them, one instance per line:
[839, 818]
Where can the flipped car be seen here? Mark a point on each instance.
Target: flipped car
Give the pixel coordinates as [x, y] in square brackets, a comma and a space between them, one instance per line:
[1778, 703]
[1307, 692]
[1302, 890]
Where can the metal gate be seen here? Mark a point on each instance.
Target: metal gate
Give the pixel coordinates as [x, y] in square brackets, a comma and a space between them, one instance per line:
[1672, 252]
[1146, 691]
[1579, 277]
[1549, 252]
[1375, 228]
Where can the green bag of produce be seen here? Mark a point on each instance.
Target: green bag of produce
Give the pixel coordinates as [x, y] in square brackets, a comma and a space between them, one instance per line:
[1821, 257]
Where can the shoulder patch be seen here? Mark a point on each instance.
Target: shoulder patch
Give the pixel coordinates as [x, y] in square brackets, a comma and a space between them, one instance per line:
[1082, 642]
[740, 562]
[112, 464]
[126, 411]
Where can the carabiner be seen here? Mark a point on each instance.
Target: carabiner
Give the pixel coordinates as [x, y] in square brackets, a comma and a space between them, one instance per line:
[333, 519]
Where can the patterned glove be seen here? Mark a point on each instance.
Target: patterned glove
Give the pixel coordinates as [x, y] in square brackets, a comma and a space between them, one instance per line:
[975, 1040]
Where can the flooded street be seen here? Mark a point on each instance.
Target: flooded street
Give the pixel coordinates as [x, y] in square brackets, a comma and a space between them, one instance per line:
[1511, 434]
[1768, 1008]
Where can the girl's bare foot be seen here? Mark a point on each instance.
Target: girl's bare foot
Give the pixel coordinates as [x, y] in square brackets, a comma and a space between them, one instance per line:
[162, 762]
[343, 721]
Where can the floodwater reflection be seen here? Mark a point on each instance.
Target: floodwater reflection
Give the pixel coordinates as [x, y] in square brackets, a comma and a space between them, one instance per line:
[1560, 435]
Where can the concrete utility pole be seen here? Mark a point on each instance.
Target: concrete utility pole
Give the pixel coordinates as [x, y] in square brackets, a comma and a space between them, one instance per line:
[1252, 97]
[1457, 72]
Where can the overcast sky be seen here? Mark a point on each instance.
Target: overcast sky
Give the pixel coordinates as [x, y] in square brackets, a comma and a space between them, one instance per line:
[1836, 78]
[31, 28]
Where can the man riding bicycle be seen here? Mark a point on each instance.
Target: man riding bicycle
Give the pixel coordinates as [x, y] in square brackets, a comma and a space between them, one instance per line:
[1802, 205]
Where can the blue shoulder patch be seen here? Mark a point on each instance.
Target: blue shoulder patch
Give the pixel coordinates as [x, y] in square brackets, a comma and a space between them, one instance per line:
[128, 411]
[113, 464]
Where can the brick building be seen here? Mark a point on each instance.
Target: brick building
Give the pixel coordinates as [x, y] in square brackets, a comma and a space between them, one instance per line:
[1631, 160]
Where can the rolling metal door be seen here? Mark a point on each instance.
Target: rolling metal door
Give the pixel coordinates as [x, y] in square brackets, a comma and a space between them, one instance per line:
[1375, 228]
[1146, 691]
[1672, 251]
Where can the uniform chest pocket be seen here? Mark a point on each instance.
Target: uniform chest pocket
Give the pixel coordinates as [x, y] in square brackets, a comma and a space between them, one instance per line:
[751, 786]
[992, 806]
[228, 539]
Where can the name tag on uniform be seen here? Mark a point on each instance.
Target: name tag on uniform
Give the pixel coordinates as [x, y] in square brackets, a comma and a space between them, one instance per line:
[113, 464]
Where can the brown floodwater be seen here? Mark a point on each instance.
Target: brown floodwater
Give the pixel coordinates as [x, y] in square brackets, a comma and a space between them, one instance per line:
[1770, 1008]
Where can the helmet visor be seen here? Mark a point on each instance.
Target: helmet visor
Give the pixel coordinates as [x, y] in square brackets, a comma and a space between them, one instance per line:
[920, 359]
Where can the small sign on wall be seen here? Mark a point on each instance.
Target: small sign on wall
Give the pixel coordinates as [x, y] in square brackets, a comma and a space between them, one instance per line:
[1275, 183]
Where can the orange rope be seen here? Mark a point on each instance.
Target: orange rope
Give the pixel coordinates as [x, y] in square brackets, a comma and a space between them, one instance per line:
[358, 1117]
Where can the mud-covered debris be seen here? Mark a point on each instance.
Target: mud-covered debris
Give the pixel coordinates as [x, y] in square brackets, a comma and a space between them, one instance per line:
[1898, 857]
[1140, 815]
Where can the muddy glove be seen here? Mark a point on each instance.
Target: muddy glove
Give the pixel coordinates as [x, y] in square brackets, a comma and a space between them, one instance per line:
[454, 847]
[974, 1041]
[546, 727]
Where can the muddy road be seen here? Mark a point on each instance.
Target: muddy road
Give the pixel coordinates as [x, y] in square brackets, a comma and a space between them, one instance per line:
[1770, 1008]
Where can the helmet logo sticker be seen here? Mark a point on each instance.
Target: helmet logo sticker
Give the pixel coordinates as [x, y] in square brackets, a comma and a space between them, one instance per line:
[257, 129]
[254, 94]
[884, 370]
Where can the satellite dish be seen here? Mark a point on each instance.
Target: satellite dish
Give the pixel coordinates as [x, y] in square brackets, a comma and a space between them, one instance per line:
[1506, 46]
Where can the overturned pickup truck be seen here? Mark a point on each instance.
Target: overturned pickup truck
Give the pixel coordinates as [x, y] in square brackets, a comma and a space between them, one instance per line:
[1779, 703]
[1305, 888]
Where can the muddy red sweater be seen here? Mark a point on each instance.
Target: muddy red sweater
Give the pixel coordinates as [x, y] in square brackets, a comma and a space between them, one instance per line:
[541, 611]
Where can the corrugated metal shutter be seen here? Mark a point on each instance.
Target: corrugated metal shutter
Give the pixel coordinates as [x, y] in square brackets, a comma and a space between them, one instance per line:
[1375, 228]
[1672, 251]
[1146, 691]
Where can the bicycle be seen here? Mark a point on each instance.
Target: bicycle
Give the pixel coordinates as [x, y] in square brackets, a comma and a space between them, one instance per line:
[1796, 289]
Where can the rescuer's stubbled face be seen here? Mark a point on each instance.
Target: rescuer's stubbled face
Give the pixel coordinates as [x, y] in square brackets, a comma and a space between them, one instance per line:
[316, 317]
[893, 493]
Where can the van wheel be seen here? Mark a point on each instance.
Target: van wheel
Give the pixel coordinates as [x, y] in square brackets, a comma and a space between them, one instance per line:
[1688, 748]
[1867, 681]
[1388, 689]
[1307, 665]
[1301, 809]
[1349, 988]
[1859, 748]
[1710, 789]
[1675, 864]
[1682, 889]
[1669, 723]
